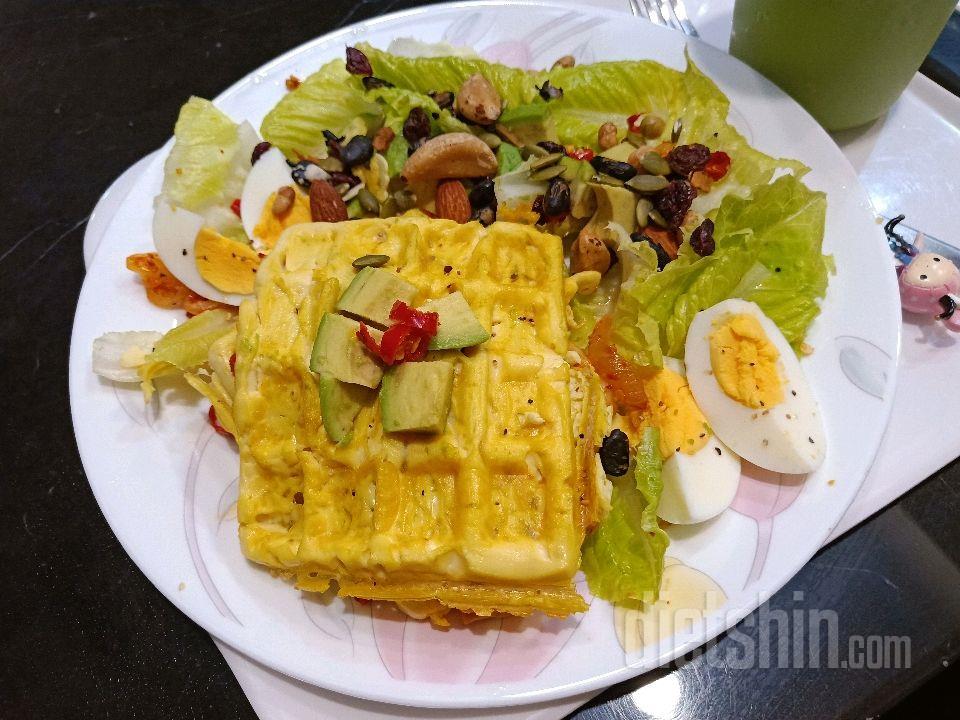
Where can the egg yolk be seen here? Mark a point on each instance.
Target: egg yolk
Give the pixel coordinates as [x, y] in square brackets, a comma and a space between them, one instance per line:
[674, 412]
[744, 362]
[270, 226]
[229, 266]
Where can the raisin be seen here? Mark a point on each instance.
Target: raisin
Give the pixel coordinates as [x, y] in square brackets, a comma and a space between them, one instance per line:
[333, 143]
[615, 453]
[482, 195]
[485, 216]
[685, 159]
[613, 168]
[340, 178]
[259, 149]
[537, 205]
[417, 125]
[701, 239]
[443, 98]
[663, 257]
[673, 202]
[372, 83]
[557, 199]
[552, 147]
[357, 63]
[357, 152]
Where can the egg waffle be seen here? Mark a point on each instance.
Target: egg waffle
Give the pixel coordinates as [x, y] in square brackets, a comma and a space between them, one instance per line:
[486, 516]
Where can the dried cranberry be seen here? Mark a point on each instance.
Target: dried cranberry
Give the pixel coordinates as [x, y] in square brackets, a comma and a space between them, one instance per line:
[357, 63]
[615, 453]
[613, 168]
[482, 194]
[701, 239]
[371, 83]
[259, 149]
[444, 99]
[718, 165]
[357, 152]
[339, 178]
[685, 159]
[551, 147]
[548, 91]
[417, 125]
[673, 202]
[557, 199]
[663, 257]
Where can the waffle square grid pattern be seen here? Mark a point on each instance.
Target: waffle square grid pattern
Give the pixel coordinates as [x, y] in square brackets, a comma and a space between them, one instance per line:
[487, 516]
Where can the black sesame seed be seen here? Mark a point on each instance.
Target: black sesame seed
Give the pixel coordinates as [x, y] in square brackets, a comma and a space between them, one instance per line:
[718, 451]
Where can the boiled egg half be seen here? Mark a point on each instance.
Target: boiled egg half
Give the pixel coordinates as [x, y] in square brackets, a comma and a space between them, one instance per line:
[749, 384]
[266, 177]
[700, 473]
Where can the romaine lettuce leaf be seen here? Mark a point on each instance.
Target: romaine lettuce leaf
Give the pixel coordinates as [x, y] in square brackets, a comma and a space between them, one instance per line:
[623, 557]
[779, 228]
[210, 157]
[330, 99]
[516, 86]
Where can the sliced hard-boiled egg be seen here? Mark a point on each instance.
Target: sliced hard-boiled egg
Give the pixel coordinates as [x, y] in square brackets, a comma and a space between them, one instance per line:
[269, 174]
[229, 266]
[749, 384]
[175, 232]
[700, 473]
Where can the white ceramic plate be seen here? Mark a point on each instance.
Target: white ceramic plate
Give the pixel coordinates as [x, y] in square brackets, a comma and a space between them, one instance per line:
[167, 484]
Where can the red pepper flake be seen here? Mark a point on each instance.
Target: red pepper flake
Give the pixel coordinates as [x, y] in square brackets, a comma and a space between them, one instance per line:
[292, 82]
[298, 498]
[582, 154]
[406, 341]
[717, 165]
[235, 206]
[233, 363]
[633, 123]
[215, 422]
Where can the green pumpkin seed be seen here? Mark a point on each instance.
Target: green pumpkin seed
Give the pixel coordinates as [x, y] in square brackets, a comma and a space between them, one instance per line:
[492, 141]
[605, 179]
[547, 173]
[546, 161]
[647, 183]
[644, 207]
[652, 126]
[371, 261]
[533, 150]
[368, 202]
[388, 208]
[655, 165]
[331, 164]
[658, 218]
[635, 139]
[404, 200]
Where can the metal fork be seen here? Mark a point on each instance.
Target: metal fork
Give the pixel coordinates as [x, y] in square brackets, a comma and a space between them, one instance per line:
[669, 13]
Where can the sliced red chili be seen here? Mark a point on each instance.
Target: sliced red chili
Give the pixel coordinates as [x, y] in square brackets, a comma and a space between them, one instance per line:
[215, 422]
[582, 154]
[717, 165]
[425, 322]
[400, 343]
[235, 206]
[633, 123]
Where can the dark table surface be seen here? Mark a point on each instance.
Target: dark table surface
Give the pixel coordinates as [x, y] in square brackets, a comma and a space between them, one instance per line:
[87, 89]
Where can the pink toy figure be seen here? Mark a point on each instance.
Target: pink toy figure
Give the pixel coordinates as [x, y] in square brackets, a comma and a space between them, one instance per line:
[929, 284]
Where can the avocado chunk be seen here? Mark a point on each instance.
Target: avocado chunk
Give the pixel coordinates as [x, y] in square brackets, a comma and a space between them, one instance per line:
[620, 152]
[338, 352]
[415, 396]
[373, 292]
[340, 403]
[459, 327]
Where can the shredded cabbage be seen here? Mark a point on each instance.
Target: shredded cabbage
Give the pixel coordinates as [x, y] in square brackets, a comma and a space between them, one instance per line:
[623, 557]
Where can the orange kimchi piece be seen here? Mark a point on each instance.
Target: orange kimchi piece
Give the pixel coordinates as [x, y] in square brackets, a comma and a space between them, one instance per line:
[164, 290]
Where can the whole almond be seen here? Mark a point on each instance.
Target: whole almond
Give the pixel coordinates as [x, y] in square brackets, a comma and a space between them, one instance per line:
[326, 205]
[478, 101]
[283, 201]
[451, 155]
[452, 201]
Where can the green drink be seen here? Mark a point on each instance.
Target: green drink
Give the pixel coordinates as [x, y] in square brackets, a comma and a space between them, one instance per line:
[845, 61]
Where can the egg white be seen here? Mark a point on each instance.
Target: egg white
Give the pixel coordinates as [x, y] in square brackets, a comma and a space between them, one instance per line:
[174, 235]
[788, 437]
[269, 174]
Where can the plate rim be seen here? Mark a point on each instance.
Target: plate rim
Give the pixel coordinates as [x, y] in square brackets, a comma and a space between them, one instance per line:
[717, 623]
